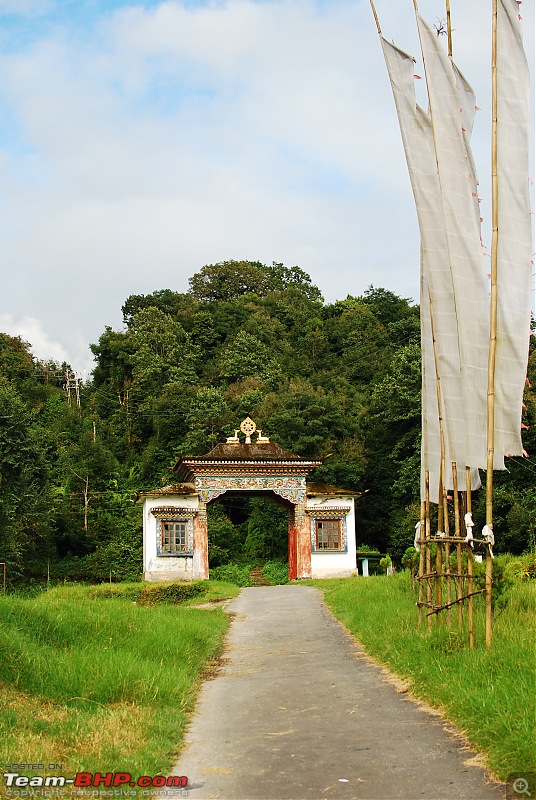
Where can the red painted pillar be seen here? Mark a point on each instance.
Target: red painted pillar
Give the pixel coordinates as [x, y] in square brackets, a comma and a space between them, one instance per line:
[200, 565]
[303, 541]
[292, 545]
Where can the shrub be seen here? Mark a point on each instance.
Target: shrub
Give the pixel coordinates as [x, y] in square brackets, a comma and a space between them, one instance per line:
[386, 564]
[169, 593]
[120, 591]
[232, 573]
[410, 561]
[520, 568]
[276, 572]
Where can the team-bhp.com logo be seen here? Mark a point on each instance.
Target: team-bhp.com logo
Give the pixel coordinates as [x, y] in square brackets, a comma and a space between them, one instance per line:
[15, 780]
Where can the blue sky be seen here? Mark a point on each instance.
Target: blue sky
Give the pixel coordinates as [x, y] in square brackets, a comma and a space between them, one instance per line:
[142, 140]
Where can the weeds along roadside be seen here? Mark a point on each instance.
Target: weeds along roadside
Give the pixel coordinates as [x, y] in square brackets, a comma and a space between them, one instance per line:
[489, 695]
[98, 683]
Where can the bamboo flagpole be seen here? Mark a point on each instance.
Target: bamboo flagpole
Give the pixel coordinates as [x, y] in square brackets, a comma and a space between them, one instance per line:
[442, 509]
[422, 546]
[428, 532]
[459, 580]
[376, 20]
[449, 29]
[470, 616]
[493, 326]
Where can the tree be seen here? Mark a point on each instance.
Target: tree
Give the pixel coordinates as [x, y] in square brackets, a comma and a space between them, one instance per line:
[174, 304]
[267, 530]
[206, 421]
[247, 356]
[286, 277]
[25, 501]
[387, 306]
[16, 362]
[163, 351]
[393, 451]
[229, 279]
[359, 339]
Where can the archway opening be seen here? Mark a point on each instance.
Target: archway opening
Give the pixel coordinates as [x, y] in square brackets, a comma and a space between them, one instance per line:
[250, 528]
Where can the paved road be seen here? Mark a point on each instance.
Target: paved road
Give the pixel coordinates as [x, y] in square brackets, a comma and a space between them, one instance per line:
[297, 713]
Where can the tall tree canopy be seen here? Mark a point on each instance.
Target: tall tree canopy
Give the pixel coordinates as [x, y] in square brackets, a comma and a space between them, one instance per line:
[339, 382]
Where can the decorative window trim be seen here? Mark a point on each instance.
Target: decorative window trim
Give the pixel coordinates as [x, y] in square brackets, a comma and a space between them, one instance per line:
[328, 511]
[342, 529]
[188, 553]
[173, 512]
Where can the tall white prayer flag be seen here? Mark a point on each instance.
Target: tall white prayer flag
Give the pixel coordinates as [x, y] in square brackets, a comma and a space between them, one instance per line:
[437, 292]
[514, 269]
[456, 177]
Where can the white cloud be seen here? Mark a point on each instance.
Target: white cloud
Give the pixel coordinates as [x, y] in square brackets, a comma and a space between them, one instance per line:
[43, 346]
[176, 136]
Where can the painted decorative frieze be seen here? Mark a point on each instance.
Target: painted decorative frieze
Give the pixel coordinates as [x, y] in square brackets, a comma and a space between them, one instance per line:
[211, 486]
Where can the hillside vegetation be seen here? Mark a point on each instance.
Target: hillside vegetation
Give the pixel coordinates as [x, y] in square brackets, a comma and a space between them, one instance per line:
[336, 381]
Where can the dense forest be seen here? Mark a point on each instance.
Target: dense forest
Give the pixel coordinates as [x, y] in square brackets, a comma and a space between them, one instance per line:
[340, 382]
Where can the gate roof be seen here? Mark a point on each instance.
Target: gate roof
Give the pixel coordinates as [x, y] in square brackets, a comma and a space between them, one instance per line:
[252, 458]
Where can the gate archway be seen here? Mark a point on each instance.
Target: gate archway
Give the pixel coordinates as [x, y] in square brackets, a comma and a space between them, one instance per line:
[175, 517]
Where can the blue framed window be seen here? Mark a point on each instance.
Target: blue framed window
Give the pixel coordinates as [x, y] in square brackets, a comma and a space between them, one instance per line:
[328, 534]
[174, 537]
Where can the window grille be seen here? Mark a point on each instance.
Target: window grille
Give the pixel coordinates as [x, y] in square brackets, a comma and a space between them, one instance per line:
[328, 534]
[174, 536]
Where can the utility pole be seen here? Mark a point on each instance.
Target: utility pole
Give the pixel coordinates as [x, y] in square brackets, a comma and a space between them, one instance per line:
[72, 383]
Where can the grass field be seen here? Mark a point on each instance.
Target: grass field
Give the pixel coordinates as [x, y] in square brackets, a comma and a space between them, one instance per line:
[101, 679]
[489, 695]
[101, 684]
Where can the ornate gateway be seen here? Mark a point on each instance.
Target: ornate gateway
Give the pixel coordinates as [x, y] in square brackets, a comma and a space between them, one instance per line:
[250, 466]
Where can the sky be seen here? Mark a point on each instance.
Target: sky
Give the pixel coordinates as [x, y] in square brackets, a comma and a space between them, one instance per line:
[141, 140]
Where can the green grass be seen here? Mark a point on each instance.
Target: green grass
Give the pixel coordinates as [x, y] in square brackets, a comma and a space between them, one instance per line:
[233, 573]
[101, 684]
[97, 682]
[275, 572]
[489, 695]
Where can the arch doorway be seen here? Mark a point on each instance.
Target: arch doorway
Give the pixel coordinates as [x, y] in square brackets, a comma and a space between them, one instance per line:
[321, 531]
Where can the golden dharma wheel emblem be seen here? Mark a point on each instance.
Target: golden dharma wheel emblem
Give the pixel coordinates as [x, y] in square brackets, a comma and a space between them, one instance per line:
[248, 427]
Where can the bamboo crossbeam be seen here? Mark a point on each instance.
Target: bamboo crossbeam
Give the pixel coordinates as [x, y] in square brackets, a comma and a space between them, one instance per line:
[457, 574]
[427, 576]
[457, 539]
[437, 609]
[444, 575]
